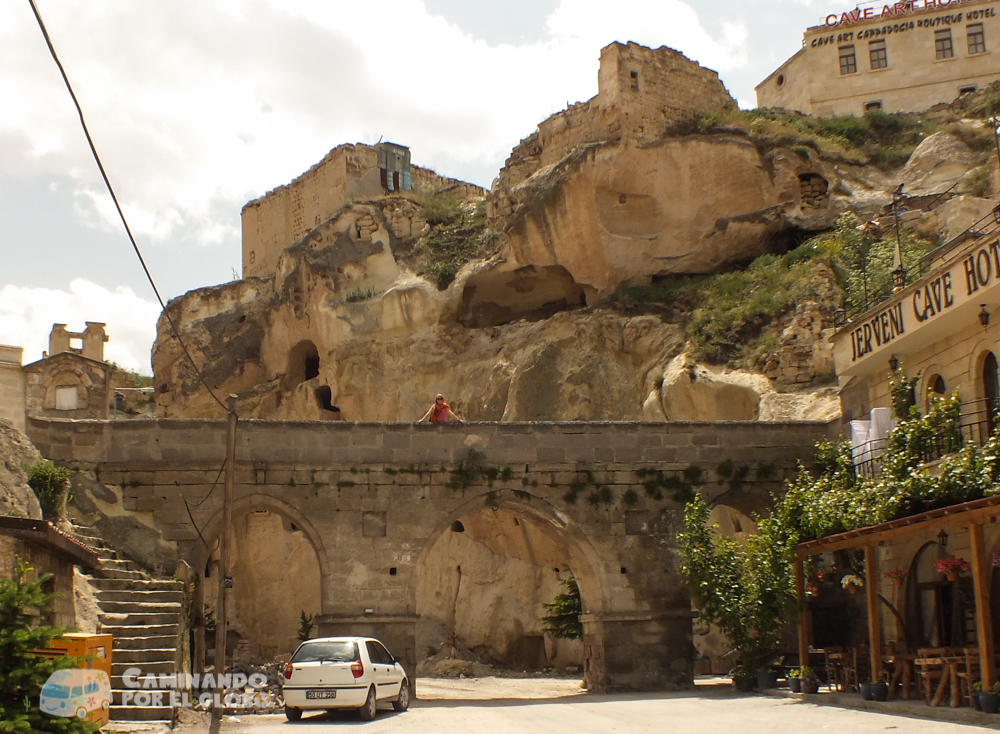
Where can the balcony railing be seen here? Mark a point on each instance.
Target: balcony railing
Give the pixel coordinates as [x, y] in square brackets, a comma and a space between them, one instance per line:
[988, 225]
[972, 429]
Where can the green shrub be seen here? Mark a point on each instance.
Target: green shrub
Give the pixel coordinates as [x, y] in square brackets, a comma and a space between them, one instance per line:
[977, 181]
[51, 485]
[441, 209]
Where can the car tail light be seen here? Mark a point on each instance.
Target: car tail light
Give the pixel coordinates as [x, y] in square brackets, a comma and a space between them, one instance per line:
[358, 669]
[288, 671]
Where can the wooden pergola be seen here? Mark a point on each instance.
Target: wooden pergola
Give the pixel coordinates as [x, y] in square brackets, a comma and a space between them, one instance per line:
[972, 515]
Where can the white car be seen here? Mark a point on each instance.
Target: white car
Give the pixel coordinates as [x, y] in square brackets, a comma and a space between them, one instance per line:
[344, 672]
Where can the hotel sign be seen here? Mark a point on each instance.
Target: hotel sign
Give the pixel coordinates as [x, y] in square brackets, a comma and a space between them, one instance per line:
[896, 10]
[923, 303]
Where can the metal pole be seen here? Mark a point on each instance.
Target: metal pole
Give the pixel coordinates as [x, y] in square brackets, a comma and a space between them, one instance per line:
[995, 121]
[222, 607]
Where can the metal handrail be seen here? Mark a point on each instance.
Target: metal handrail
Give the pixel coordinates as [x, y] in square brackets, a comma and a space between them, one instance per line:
[974, 428]
[924, 264]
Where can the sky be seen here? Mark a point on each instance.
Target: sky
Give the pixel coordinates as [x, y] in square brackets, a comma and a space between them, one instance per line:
[198, 106]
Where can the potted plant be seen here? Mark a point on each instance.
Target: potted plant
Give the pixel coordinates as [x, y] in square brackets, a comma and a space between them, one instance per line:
[898, 576]
[794, 681]
[880, 687]
[951, 567]
[852, 582]
[766, 678]
[977, 688]
[989, 702]
[808, 680]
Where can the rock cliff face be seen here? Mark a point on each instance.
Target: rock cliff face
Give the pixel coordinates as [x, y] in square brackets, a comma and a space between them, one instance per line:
[16, 452]
[388, 302]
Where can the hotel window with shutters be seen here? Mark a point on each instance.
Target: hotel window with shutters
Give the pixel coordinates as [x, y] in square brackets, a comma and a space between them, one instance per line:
[848, 60]
[976, 37]
[943, 47]
[877, 55]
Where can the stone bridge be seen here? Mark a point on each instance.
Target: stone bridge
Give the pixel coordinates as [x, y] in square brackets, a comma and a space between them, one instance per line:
[371, 499]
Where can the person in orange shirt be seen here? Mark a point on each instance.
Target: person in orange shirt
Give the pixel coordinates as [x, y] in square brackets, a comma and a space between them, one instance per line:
[439, 412]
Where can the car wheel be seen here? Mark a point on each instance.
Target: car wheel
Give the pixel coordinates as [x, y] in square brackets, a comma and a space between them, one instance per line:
[367, 712]
[106, 704]
[293, 714]
[81, 713]
[402, 701]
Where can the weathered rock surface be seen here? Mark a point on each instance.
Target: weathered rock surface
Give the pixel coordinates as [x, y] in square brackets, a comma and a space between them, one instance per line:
[940, 161]
[16, 453]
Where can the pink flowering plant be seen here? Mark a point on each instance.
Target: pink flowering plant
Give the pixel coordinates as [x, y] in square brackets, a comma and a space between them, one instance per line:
[897, 573]
[995, 557]
[951, 564]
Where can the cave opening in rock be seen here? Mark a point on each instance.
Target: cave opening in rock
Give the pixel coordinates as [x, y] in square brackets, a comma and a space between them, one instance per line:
[303, 364]
[486, 581]
[324, 398]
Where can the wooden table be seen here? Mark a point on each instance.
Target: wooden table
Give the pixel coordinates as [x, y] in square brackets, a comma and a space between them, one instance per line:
[902, 672]
[949, 677]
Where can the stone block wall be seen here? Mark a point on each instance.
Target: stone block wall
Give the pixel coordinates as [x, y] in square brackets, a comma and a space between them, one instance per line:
[348, 172]
[12, 386]
[641, 93]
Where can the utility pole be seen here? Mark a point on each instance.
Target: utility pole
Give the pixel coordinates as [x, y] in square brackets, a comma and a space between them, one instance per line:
[225, 581]
[995, 122]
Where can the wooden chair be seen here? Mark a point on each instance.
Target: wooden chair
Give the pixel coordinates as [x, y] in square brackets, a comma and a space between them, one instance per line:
[834, 658]
[857, 668]
[969, 674]
[929, 675]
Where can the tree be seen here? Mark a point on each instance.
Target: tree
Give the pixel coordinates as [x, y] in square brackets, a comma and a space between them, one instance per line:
[746, 592]
[563, 620]
[22, 674]
[305, 626]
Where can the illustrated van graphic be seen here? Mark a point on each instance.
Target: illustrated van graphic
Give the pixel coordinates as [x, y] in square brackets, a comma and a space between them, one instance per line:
[75, 692]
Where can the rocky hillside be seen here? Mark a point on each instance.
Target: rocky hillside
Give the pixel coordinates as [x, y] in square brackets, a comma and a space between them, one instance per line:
[673, 273]
[16, 453]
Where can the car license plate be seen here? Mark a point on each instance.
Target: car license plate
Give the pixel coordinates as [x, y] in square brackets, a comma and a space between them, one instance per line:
[321, 694]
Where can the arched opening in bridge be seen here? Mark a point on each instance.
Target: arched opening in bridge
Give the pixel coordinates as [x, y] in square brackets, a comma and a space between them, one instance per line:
[486, 580]
[276, 577]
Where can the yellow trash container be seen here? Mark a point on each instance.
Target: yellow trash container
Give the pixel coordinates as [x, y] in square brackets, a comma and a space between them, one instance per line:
[79, 644]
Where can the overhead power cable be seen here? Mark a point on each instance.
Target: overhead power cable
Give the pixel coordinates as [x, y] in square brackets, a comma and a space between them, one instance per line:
[121, 214]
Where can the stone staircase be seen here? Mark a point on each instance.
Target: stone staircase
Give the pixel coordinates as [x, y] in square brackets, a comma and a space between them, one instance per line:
[143, 616]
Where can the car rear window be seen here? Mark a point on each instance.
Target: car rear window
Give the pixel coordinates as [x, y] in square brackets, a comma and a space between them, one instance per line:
[338, 652]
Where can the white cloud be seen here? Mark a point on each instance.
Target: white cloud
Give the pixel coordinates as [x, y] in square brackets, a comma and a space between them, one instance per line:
[196, 102]
[27, 315]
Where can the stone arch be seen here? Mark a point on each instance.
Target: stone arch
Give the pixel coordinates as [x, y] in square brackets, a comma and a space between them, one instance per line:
[931, 379]
[272, 544]
[590, 577]
[67, 377]
[260, 501]
[514, 645]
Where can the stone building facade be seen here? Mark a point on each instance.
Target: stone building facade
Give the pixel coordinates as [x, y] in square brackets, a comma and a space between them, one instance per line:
[901, 57]
[943, 330]
[12, 385]
[346, 174]
[72, 380]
